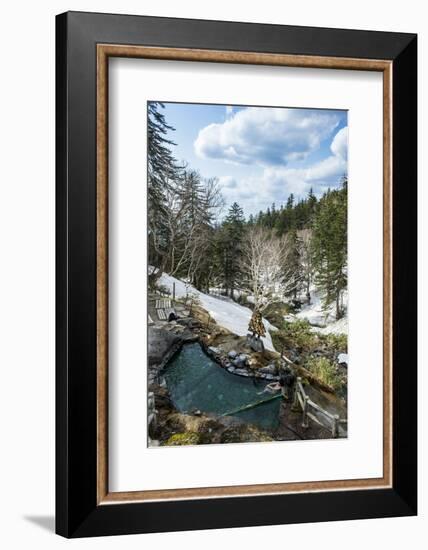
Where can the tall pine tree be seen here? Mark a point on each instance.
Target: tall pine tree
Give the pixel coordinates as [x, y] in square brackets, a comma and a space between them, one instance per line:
[293, 268]
[329, 244]
[162, 170]
[231, 247]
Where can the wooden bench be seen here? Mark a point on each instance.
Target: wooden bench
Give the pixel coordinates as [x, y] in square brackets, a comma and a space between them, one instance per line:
[162, 304]
[161, 315]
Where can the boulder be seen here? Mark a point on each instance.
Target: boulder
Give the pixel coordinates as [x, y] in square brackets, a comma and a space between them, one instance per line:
[269, 369]
[241, 372]
[241, 360]
[187, 322]
[160, 343]
[256, 344]
[238, 362]
[232, 354]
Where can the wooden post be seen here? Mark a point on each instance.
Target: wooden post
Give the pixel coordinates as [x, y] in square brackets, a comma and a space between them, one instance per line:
[295, 405]
[173, 292]
[305, 410]
[334, 430]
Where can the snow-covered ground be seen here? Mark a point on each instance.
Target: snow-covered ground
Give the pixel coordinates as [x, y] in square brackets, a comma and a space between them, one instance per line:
[326, 321]
[223, 310]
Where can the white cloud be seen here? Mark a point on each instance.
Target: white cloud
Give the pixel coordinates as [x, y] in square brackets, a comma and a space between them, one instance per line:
[228, 182]
[229, 111]
[263, 136]
[339, 145]
[324, 173]
[275, 183]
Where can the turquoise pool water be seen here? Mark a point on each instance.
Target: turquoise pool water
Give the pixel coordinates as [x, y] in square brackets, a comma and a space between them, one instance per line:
[196, 382]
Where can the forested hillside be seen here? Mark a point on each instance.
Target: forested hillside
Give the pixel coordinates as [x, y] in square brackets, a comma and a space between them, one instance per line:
[282, 254]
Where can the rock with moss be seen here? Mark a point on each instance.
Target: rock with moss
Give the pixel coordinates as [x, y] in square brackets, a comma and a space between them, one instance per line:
[185, 438]
[243, 434]
[209, 431]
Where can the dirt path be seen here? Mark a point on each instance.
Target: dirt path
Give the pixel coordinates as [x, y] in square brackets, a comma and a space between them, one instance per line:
[290, 426]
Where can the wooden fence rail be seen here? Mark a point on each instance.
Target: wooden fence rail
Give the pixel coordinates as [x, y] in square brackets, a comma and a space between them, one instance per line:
[306, 404]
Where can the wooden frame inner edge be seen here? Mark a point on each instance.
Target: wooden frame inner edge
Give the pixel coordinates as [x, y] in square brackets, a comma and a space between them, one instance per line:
[104, 51]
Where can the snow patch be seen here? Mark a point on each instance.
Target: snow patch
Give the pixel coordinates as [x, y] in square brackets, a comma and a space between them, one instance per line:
[336, 327]
[222, 309]
[342, 358]
[323, 322]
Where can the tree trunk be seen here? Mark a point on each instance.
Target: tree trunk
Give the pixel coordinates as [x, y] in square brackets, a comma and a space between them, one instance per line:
[338, 309]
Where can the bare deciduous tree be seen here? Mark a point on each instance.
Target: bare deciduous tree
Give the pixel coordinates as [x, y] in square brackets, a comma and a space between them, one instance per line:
[261, 263]
[190, 222]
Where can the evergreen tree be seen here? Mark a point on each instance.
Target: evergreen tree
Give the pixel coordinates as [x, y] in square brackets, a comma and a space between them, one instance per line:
[287, 220]
[293, 269]
[231, 247]
[162, 166]
[301, 216]
[162, 171]
[267, 219]
[306, 257]
[312, 203]
[190, 192]
[329, 244]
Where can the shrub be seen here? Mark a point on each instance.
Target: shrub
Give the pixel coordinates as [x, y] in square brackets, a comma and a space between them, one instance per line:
[325, 371]
[193, 298]
[275, 312]
[242, 299]
[299, 334]
[337, 342]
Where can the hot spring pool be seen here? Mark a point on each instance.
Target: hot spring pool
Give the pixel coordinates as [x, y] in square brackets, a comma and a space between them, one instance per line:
[196, 382]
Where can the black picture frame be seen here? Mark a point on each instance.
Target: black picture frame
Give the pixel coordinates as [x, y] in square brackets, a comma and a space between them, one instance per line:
[77, 511]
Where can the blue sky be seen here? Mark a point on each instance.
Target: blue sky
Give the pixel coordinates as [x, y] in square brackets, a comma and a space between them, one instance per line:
[260, 154]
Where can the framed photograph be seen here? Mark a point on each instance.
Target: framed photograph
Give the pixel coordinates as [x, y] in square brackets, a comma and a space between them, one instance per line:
[236, 274]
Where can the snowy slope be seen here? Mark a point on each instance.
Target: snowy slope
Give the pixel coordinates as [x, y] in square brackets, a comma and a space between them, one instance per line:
[335, 327]
[224, 311]
[326, 320]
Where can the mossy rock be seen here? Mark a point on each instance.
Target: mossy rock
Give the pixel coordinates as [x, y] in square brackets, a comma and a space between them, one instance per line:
[185, 438]
[208, 430]
[176, 423]
[243, 434]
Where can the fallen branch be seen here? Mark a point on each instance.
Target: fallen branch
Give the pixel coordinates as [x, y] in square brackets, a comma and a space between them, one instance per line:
[252, 405]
